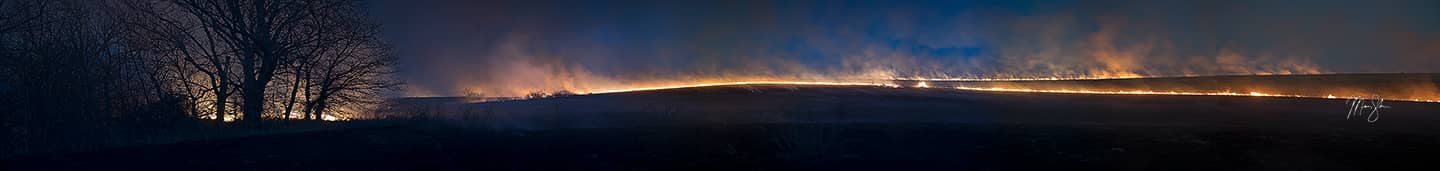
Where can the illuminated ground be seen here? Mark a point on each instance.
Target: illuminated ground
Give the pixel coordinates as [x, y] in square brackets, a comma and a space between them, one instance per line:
[1406, 87]
[833, 127]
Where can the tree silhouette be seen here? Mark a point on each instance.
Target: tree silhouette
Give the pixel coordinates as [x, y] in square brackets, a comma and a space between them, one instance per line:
[73, 70]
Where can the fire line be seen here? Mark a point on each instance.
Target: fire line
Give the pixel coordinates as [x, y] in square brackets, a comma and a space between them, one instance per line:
[996, 89]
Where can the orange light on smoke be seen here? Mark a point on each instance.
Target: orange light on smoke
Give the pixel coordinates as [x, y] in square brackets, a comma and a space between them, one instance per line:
[744, 83]
[923, 84]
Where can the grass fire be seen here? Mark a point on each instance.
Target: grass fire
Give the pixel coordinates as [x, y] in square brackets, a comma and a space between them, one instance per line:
[719, 85]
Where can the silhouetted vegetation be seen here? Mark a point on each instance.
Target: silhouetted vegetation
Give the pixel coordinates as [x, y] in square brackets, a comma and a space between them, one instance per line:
[543, 94]
[75, 73]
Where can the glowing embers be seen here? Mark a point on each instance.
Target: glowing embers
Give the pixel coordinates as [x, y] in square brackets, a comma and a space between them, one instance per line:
[928, 83]
[1128, 92]
[1144, 92]
[1022, 79]
[746, 83]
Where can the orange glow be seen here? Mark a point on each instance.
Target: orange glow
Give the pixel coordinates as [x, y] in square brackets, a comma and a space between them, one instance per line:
[1135, 92]
[923, 84]
[1022, 79]
[1143, 92]
[329, 117]
[744, 83]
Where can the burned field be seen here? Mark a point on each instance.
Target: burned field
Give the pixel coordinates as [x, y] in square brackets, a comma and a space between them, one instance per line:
[831, 127]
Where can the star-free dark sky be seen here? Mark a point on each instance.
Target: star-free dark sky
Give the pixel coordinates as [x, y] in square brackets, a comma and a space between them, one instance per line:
[502, 47]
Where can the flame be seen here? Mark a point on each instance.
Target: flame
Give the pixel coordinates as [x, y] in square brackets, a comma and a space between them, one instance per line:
[923, 84]
[1175, 93]
[745, 83]
[1131, 92]
[1057, 78]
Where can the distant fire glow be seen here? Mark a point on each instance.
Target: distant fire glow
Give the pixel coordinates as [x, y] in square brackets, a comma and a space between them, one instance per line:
[1135, 92]
[328, 117]
[744, 83]
[924, 84]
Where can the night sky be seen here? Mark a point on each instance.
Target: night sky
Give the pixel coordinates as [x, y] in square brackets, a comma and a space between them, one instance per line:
[506, 48]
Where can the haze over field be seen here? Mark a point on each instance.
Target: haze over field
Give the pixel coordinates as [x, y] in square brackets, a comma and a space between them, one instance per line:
[510, 48]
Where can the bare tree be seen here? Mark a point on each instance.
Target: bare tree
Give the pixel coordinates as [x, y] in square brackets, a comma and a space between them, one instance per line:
[17, 16]
[202, 63]
[350, 64]
[71, 67]
[67, 71]
[324, 52]
[20, 14]
[264, 33]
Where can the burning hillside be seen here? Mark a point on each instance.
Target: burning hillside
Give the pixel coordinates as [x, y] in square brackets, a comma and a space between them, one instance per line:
[1402, 87]
[1406, 87]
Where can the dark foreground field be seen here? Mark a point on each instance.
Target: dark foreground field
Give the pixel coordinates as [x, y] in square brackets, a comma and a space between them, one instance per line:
[830, 127]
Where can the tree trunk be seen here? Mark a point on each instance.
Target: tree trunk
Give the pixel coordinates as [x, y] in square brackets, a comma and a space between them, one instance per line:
[290, 104]
[262, 51]
[309, 108]
[320, 105]
[220, 97]
[309, 104]
[253, 93]
[320, 110]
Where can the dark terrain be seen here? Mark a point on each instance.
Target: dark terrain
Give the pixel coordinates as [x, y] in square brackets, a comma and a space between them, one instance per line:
[828, 127]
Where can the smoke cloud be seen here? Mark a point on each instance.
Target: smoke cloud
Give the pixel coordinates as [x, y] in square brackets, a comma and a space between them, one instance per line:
[501, 48]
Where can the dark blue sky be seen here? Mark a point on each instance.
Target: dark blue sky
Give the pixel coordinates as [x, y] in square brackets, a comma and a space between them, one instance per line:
[504, 47]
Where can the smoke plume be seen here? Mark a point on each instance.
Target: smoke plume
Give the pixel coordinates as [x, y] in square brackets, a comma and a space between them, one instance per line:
[500, 48]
